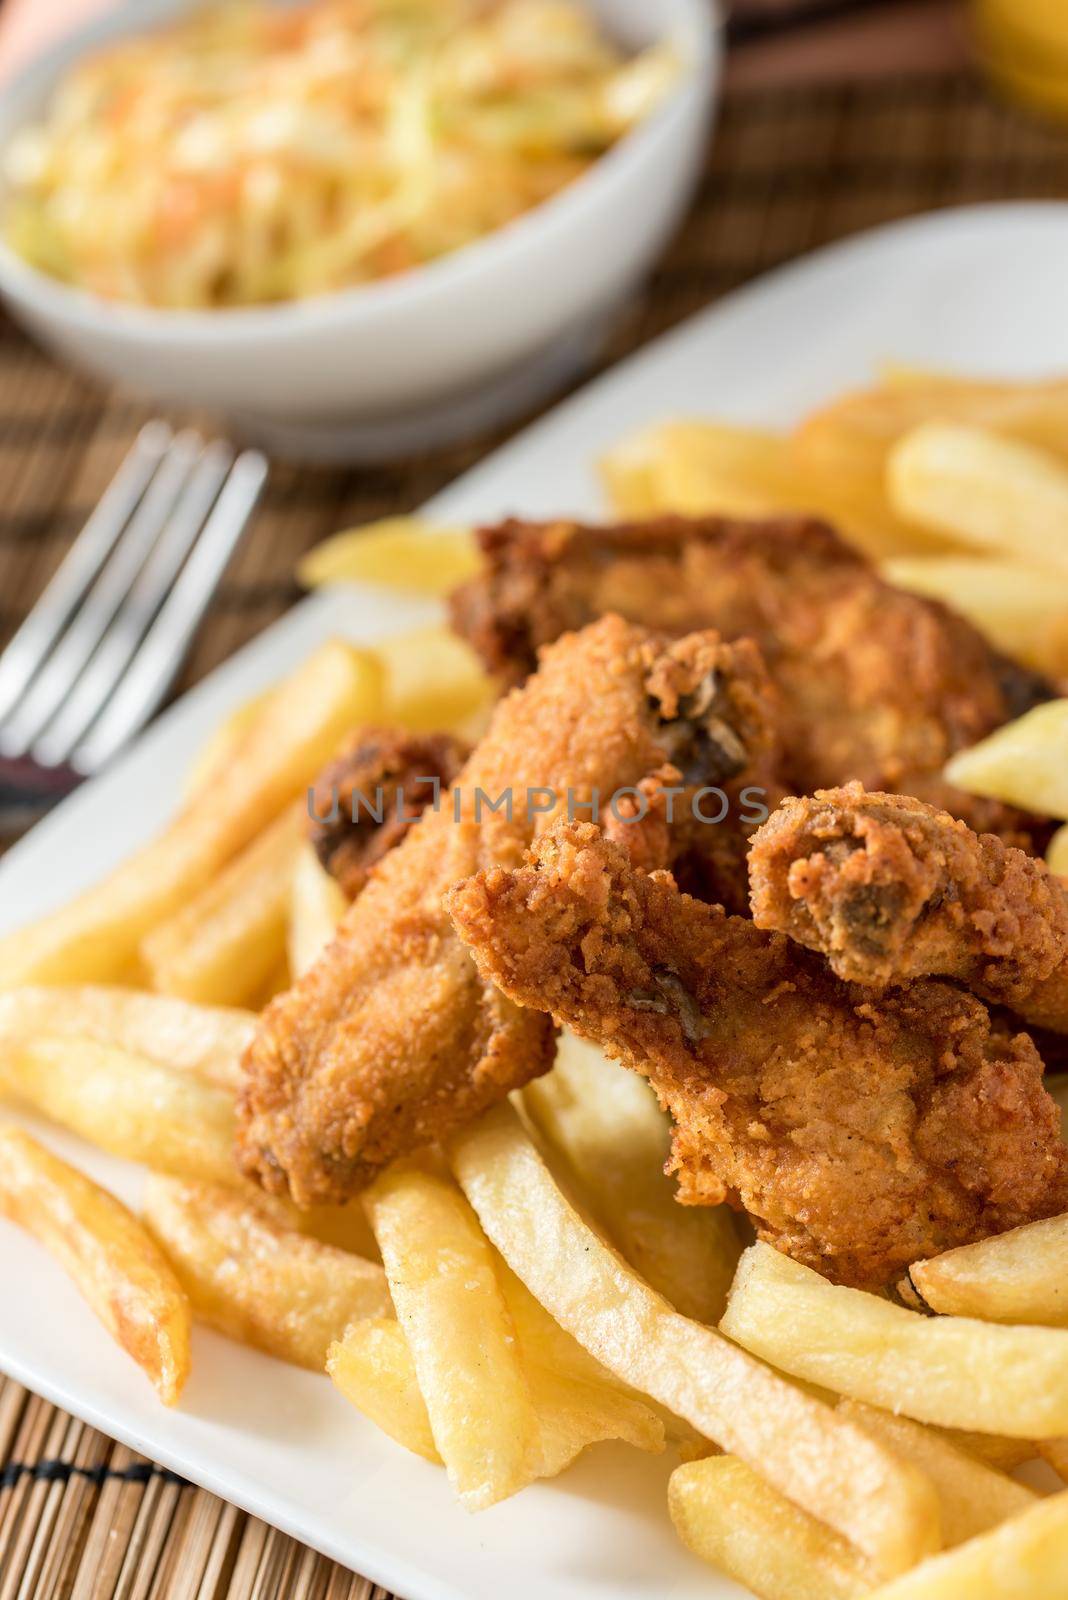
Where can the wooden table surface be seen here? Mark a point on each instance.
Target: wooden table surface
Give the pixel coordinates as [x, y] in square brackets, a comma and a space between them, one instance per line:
[791, 168]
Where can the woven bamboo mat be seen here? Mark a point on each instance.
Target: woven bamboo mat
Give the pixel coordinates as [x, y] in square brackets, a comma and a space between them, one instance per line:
[81, 1517]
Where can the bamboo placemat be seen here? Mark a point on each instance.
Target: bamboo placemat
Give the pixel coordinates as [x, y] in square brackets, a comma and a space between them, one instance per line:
[84, 1518]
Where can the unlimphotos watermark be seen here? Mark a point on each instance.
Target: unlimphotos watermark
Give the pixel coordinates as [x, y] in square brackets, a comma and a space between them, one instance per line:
[709, 805]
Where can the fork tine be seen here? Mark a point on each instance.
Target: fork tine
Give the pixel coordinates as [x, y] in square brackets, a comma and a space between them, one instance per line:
[151, 587]
[59, 674]
[39, 632]
[163, 648]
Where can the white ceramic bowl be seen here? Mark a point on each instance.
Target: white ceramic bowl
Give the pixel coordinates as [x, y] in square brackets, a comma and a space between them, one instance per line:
[417, 360]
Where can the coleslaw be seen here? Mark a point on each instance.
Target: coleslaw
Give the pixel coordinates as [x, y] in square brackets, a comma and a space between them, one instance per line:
[257, 153]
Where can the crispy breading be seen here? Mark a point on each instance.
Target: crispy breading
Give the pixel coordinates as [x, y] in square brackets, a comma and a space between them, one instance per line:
[729, 769]
[889, 889]
[394, 1038]
[877, 685]
[366, 799]
[861, 1133]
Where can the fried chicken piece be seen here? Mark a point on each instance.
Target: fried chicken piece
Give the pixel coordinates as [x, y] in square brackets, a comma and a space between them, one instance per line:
[859, 1133]
[364, 802]
[394, 1038]
[728, 772]
[889, 889]
[877, 684]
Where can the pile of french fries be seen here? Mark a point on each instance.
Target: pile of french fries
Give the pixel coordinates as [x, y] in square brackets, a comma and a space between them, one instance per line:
[499, 1305]
[162, 968]
[958, 488]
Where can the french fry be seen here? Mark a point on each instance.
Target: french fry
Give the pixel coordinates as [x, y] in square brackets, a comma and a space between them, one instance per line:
[817, 1459]
[375, 1371]
[256, 1281]
[125, 1103]
[463, 1343]
[992, 1450]
[279, 980]
[399, 552]
[435, 682]
[695, 467]
[345, 1227]
[973, 1496]
[572, 1416]
[986, 491]
[1019, 1276]
[112, 1260]
[952, 1371]
[843, 447]
[1035, 411]
[846, 443]
[221, 746]
[910, 375]
[1022, 763]
[577, 1402]
[96, 937]
[712, 467]
[573, 1401]
[207, 1041]
[316, 906]
[1021, 610]
[630, 475]
[1054, 1452]
[226, 943]
[1023, 1559]
[730, 1517]
[854, 432]
[1002, 1454]
[863, 515]
[1057, 853]
[607, 1127]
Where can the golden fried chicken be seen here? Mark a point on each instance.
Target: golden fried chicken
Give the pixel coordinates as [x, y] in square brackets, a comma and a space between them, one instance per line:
[860, 1133]
[723, 742]
[889, 889]
[366, 799]
[394, 1037]
[877, 684]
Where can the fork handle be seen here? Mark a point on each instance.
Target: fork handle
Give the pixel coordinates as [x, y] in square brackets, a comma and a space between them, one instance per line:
[27, 791]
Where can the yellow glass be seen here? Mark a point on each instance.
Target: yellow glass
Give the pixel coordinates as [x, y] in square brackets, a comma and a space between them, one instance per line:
[1024, 46]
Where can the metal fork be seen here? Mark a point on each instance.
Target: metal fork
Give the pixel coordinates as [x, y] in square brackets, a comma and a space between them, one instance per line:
[98, 652]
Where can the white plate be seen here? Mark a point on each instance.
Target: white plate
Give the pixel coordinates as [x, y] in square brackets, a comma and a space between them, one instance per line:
[979, 289]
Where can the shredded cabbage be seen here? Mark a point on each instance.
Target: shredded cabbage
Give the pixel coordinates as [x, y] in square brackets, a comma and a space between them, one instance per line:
[256, 153]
